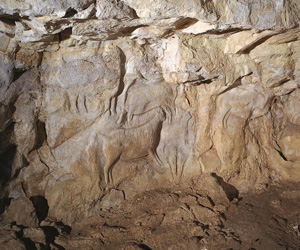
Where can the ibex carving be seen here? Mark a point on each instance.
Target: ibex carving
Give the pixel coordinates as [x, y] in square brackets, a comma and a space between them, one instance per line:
[139, 138]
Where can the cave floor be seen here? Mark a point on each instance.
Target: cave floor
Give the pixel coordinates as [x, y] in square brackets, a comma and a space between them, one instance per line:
[191, 219]
[186, 218]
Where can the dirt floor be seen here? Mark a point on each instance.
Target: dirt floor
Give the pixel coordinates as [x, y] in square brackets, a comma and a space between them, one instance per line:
[193, 219]
[189, 218]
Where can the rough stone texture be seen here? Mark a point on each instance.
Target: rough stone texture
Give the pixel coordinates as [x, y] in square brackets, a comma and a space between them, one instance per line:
[129, 124]
[22, 212]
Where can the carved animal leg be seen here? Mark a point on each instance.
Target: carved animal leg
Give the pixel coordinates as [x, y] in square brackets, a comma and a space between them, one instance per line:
[202, 167]
[171, 166]
[112, 155]
[154, 156]
[181, 166]
[167, 110]
[107, 169]
[112, 105]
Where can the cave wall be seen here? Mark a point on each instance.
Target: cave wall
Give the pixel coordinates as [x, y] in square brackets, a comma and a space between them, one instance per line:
[103, 100]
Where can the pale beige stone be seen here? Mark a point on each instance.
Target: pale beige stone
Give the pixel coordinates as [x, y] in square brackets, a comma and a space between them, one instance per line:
[113, 9]
[199, 27]
[7, 44]
[290, 143]
[242, 41]
[114, 198]
[27, 59]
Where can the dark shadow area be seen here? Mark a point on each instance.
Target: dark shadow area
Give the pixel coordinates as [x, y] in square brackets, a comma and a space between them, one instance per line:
[4, 203]
[6, 135]
[144, 247]
[7, 147]
[18, 73]
[65, 34]
[29, 244]
[15, 17]
[65, 229]
[230, 191]
[6, 161]
[51, 233]
[7, 20]
[70, 13]
[41, 206]
[41, 134]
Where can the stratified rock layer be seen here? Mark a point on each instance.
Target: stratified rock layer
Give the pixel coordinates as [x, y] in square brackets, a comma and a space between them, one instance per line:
[190, 105]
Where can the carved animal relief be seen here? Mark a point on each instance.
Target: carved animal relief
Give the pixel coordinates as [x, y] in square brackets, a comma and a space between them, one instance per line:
[135, 124]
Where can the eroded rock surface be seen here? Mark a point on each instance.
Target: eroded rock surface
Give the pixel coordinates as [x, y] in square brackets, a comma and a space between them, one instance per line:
[129, 124]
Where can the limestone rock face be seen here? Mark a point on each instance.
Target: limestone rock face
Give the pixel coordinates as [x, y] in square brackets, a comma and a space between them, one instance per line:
[22, 212]
[104, 103]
